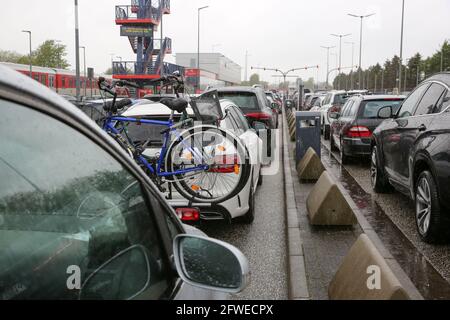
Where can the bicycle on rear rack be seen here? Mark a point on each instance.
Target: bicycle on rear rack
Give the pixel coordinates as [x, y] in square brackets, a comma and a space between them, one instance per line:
[205, 163]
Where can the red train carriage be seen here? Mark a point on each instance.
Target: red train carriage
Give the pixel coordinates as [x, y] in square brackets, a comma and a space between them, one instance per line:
[60, 80]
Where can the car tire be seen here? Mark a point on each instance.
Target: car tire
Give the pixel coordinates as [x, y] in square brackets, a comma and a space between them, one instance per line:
[249, 217]
[430, 222]
[326, 132]
[333, 146]
[344, 158]
[378, 179]
[260, 179]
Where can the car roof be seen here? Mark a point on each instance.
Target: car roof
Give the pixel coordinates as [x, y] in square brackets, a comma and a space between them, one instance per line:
[378, 97]
[146, 108]
[338, 92]
[442, 77]
[239, 89]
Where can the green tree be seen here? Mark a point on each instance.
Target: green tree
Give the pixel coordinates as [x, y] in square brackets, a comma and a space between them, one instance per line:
[414, 67]
[10, 56]
[49, 54]
[310, 84]
[254, 79]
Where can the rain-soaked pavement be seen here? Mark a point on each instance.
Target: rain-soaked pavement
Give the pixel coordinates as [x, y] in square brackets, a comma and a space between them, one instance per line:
[413, 255]
[263, 242]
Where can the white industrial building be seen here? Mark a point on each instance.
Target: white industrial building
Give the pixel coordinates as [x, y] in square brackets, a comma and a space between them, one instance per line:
[215, 68]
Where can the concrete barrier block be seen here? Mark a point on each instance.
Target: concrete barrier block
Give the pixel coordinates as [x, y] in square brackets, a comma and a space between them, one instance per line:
[291, 124]
[293, 133]
[365, 275]
[327, 205]
[310, 168]
[291, 119]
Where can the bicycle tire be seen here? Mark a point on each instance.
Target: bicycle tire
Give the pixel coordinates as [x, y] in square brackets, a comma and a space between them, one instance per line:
[179, 181]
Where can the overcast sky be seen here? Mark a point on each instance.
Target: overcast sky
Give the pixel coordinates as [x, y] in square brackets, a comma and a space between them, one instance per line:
[277, 33]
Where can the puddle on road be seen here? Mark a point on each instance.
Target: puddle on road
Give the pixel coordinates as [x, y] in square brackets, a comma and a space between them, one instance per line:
[424, 276]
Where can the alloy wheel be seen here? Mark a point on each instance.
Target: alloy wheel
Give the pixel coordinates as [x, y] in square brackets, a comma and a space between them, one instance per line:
[423, 205]
[374, 168]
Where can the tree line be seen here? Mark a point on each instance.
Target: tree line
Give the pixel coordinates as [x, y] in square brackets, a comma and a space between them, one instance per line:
[49, 54]
[384, 78]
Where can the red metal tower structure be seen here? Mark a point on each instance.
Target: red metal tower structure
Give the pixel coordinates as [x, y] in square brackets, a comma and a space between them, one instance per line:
[139, 22]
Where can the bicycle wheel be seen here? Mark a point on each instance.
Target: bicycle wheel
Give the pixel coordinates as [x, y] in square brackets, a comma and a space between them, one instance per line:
[227, 161]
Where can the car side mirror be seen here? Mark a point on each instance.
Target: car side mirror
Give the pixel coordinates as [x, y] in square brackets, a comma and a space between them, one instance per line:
[258, 126]
[210, 264]
[335, 115]
[123, 277]
[385, 113]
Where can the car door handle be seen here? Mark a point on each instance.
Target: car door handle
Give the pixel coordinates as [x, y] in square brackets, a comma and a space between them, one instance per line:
[422, 128]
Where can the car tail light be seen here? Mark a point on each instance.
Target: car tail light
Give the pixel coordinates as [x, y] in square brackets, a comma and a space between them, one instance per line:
[226, 164]
[335, 108]
[359, 132]
[259, 116]
[188, 214]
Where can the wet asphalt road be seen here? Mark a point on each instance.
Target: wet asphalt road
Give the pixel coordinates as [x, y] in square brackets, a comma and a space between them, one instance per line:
[263, 242]
[400, 210]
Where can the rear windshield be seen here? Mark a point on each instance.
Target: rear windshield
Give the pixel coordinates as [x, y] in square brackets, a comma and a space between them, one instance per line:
[371, 108]
[340, 99]
[244, 100]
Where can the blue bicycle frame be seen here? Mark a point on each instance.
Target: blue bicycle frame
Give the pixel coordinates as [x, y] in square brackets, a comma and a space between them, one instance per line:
[110, 127]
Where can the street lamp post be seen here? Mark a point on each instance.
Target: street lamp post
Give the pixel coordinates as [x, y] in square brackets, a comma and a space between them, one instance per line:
[198, 45]
[401, 48]
[246, 66]
[340, 36]
[353, 62]
[77, 51]
[328, 63]
[375, 85]
[360, 44]
[417, 76]
[342, 68]
[285, 74]
[84, 64]
[59, 53]
[31, 53]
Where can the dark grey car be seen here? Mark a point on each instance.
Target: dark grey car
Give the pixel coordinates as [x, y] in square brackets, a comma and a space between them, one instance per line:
[253, 103]
[351, 132]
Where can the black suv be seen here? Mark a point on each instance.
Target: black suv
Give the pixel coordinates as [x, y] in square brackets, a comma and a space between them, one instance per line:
[411, 152]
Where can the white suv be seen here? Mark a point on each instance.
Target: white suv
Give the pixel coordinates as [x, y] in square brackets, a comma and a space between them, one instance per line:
[334, 99]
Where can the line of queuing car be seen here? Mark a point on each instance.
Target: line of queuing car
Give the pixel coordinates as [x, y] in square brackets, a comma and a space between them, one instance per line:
[80, 220]
[408, 142]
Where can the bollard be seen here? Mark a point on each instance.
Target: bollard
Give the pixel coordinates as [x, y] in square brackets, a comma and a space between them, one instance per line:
[327, 205]
[365, 275]
[310, 168]
[292, 133]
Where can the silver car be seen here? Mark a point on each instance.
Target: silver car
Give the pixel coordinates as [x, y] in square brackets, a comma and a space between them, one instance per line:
[80, 220]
